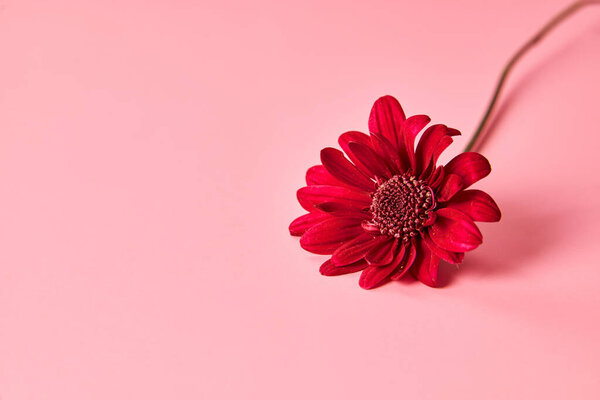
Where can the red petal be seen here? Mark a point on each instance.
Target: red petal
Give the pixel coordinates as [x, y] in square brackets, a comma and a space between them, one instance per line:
[449, 256]
[449, 187]
[442, 145]
[425, 267]
[412, 127]
[358, 137]
[318, 175]
[470, 166]
[368, 226]
[386, 119]
[408, 254]
[431, 216]
[383, 253]
[353, 136]
[375, 165]
[307, 221]
[435, 139]
[339, 166]
[355, 249]
[327, 236]
[374, 276]
[436, 178]
[309, 196]
[454, 231]
[477, 205]
[342, 209]
[329, 269]
[387, 151]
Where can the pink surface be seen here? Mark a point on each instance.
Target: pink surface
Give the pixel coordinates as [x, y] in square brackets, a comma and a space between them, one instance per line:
[149, 158]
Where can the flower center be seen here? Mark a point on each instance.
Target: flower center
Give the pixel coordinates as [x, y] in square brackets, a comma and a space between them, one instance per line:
[401, 205]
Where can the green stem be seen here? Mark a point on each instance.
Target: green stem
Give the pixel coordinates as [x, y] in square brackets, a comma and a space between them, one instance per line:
[528, 45]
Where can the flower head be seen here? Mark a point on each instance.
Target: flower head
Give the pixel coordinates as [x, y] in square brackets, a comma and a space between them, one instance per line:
[388, 209]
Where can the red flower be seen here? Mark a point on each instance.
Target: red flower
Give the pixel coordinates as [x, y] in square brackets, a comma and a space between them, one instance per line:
[390, 209]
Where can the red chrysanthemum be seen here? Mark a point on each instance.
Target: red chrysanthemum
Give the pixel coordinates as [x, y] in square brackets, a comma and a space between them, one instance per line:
[390, 209]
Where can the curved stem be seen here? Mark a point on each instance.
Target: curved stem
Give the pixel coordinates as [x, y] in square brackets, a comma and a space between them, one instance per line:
[528, 45]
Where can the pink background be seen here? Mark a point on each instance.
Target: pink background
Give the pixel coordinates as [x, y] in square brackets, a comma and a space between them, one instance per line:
[149, 157]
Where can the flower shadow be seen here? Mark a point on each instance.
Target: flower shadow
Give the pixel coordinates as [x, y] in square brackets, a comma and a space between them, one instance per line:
[523, 234]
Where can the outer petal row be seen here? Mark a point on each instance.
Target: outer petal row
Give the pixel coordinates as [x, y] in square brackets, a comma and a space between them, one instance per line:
[434, 141]
[393, 135]
[386, 119]
[310, 196]
[470, 166]
[454, 231]
[337, 165]
[326, 236]
[355, 249]
[477, 205]
[425, 267]
[307, 221]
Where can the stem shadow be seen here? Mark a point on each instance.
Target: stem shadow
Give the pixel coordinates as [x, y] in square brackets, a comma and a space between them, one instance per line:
[525, 82]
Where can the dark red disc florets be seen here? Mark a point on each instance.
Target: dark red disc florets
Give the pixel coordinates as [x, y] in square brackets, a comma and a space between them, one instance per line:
[401, 205]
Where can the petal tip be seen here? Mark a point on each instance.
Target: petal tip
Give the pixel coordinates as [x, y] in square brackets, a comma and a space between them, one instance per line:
[293, 231]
